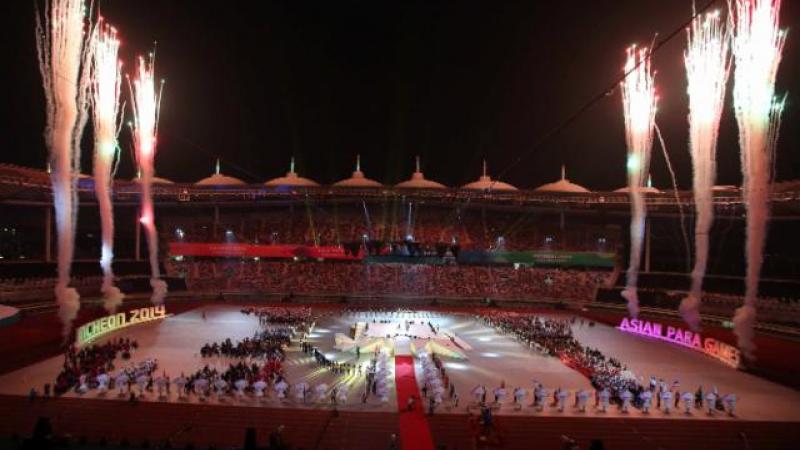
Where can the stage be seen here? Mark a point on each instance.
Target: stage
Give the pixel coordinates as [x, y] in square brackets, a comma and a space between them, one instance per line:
[486, 358]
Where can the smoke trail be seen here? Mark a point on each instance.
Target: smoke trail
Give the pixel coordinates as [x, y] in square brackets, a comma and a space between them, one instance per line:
[146, 104]
[707, 68]
[639, 102]
[757, 46]
[64, 53]
[107, 119]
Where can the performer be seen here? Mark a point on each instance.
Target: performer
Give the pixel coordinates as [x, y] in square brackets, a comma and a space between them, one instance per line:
[543, 394]
[562, 399]
[604, 396]
[519, 397]
[142, 381]
[730, 402]
[499, 395]
[342, 394]
[666, 400]
[82, 386]
[160, 386]
[711, 402]
[220, 386]
[688, 400]
[102, 384]
[626, 400]
[200, 386]
[241, 385]
[478, 392]
[180, 383]
[646, 397]
[582, 396]
[676, 389]
[259, 386]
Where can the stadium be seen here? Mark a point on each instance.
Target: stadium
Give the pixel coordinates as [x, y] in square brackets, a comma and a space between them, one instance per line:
[390, 311]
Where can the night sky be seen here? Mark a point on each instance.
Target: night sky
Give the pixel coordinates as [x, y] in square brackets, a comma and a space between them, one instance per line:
[454, 82]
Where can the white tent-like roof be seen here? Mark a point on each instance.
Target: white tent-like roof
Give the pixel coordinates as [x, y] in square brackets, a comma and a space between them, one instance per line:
[418, 181]
[218, 179]
[649, 189]
[485, 183]
[156, 180]
[562, 185]
[358, 179]
[291, 179]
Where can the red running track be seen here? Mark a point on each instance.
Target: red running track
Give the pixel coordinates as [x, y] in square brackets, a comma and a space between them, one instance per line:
[415, 432]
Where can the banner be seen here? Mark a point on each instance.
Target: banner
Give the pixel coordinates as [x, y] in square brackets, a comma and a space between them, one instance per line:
[726, 353]
[543, 258]
[104, 325]
[236, 250]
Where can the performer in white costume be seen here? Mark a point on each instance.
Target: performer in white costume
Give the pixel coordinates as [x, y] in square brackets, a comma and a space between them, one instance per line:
[604, 396]
[582, 397]
[666, 401]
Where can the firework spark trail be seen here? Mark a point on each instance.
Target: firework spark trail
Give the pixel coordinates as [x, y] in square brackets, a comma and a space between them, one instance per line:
[707, 67]
[757, 46]
[64, 51]
[146, 102]
[675, 194]
[639, 104]
[107, 118]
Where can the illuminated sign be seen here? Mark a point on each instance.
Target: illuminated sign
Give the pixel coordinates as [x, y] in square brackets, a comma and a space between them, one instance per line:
[104, 325]
[728, 354]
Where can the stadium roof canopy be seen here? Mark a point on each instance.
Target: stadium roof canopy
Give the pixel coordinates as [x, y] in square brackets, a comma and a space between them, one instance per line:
[291, 179]
[418, 181]
[156, 180]
[649, 189]
[485, 183]
[562, 185]
[358, 179]
[218, 179]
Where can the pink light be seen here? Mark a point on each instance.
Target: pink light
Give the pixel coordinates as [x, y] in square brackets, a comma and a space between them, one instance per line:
[146, 220]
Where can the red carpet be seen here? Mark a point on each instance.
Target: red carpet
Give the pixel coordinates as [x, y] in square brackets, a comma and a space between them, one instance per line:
[415, 432]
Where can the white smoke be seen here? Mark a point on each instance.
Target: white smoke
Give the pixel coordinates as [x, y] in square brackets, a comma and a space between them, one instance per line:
[146, 100]
[64, 51]
[106, 109]
[112, 298]
[707, 67]
[637, 238]
[757, 46]
[639, 105]
[68, 306]
[159, 290]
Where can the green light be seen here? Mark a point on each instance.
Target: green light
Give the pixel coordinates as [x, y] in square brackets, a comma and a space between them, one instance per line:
[633, 163]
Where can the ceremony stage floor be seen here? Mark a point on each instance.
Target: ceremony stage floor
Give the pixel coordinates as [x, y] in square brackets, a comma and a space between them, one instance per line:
[491, 358]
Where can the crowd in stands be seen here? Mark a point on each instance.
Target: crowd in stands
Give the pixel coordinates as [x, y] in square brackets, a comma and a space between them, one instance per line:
[39, 284]
[388, 279]
[91, 361]
[427, 226]
[770, 310]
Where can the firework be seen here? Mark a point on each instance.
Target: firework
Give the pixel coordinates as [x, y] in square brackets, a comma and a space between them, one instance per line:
[107, 118]
[146, 100]
[707, 67]
[757, 47]
[639, 104]
[64, 53]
